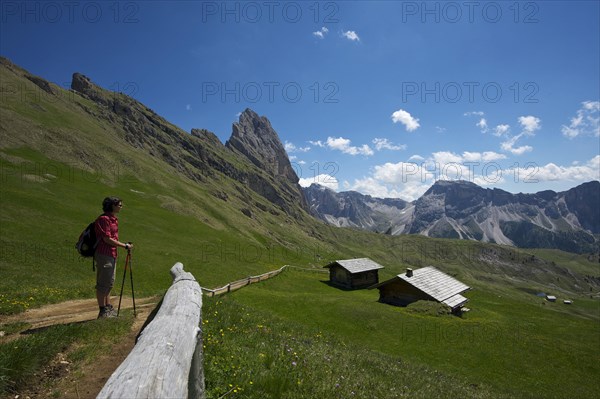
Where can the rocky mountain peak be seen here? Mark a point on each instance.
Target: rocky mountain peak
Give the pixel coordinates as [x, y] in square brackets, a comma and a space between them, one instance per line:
[449, 186]
[254, 137]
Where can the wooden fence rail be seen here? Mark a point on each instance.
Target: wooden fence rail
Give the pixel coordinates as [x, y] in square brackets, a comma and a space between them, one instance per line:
[236, 285]
[166, 362]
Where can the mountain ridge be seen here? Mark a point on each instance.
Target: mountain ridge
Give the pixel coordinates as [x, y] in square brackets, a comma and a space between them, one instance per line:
[252, 138]
[565, 220]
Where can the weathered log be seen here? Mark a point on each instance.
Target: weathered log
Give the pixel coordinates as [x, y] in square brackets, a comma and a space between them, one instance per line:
[166, 362]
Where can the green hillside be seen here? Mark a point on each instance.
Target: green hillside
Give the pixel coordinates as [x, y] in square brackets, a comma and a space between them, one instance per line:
[188, 198]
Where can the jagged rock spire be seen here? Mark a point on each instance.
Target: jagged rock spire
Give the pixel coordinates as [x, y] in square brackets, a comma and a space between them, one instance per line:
[254, 137]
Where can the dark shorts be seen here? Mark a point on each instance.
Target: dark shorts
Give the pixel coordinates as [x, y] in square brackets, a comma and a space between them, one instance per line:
[105, 272]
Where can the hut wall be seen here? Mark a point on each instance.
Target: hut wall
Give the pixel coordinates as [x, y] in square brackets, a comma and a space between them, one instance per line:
[340, 276]
[365, 279]
[401, 293]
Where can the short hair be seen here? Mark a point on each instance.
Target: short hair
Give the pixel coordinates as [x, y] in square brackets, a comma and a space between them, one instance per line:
[109, 202]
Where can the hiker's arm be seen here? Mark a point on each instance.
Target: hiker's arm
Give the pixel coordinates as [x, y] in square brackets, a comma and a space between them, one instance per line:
[115, 243]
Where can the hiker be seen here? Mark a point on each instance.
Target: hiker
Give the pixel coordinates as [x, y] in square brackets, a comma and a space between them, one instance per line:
[107, 233]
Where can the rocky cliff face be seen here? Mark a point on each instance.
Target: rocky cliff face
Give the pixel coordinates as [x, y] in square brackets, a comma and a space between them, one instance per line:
[254, 137]
[459, 209]
[254, 156]
[583, 201]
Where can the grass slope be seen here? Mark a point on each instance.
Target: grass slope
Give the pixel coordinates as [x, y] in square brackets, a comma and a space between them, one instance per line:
[252, 353]
[509, 345]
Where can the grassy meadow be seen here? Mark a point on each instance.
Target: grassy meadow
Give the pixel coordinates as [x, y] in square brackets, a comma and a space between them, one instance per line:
[509, 345]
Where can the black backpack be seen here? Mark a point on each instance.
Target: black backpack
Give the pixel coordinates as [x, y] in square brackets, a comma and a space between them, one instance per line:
[87, 243]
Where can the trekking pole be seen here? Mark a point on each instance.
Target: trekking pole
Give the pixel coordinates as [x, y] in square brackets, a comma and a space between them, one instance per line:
[131, 277]
[123, 282]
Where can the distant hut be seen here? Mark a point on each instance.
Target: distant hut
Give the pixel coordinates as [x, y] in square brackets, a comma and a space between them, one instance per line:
[427, 283]
[551, 298]
[354, 273]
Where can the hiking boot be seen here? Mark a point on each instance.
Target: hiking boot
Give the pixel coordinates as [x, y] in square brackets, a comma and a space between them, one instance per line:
[103, 313]
[107, 312]
[111, 311]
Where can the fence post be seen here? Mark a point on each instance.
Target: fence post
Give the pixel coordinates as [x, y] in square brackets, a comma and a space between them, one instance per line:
[167, 359]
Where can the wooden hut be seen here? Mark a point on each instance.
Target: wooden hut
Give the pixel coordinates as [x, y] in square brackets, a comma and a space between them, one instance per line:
[427, 283]
[354, 273]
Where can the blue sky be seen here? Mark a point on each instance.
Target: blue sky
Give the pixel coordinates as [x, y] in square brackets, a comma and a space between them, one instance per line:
[380, 97]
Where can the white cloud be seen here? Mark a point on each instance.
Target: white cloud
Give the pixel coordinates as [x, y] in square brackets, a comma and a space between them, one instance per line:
[321, 33]
[406, 180]
[482, 124]
[446, 157]
[487, 156]
[478, 113]
[509, 145]
[371, 186]
[529, 124]
[385, 144]
[440, 129]
[290, 147]
[501, 130]
[494, 178]
[317, 143]
[351, 35]
[397, 173]
[586, 122]
[416, 177]
[406, 119]
[551, 172]
[409, 180]
[344, 145]
[403, 173]
[338, 143]
[323, 179]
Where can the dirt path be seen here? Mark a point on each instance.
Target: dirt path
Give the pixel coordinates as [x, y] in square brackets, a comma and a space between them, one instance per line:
[86, 380]
[70, 312]
[59, 379]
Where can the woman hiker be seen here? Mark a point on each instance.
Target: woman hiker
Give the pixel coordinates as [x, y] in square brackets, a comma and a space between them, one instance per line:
[107, 233]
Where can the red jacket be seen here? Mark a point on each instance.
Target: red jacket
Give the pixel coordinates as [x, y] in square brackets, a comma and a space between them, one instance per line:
[107, 226]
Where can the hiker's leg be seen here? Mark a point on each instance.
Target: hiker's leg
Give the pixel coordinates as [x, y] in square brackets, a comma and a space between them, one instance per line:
[107, 299]
[105, 278]
[101, 297]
